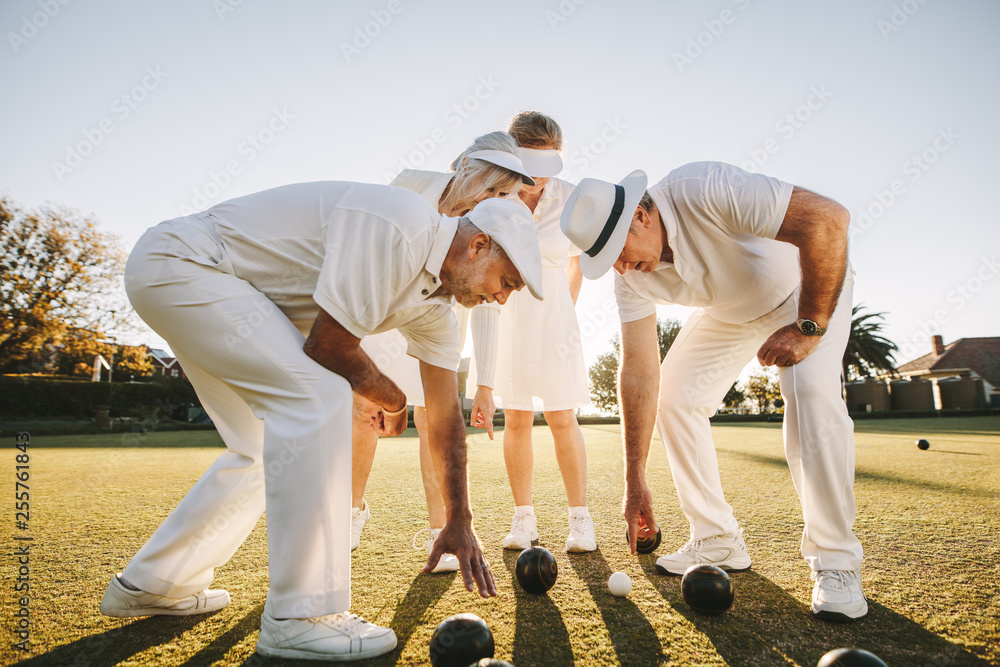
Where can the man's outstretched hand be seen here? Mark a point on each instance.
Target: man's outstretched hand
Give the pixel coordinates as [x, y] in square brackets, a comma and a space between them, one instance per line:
[461, 540]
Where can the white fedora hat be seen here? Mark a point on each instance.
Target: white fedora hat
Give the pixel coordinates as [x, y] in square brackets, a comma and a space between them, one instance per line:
[510, 224]
[503, 159]
[539, 162]
[597, 217]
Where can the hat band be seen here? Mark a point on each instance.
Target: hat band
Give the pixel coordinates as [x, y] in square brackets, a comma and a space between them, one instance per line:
[610, 225]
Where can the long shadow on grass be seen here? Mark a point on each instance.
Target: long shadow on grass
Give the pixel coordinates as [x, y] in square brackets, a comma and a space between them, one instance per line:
[116, 645]
[222, 644]
[424, 591]
[768, 626]
[540, 635]
[873, 476]
[632, 635]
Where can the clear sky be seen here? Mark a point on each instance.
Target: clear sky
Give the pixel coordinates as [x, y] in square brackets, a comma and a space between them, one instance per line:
[138, 112]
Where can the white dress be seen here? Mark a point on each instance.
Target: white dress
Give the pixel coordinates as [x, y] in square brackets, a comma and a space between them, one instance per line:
[540, 358]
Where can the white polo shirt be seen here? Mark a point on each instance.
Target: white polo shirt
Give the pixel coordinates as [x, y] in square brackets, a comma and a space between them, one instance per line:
[720, 222]
[485, 317]
[369, 255]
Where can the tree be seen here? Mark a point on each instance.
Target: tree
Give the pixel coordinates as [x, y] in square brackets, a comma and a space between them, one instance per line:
[734, 397]
[604, 373]
[868, 353]
[603, 380]
[58, 273]
[78, 349]
[762, 391]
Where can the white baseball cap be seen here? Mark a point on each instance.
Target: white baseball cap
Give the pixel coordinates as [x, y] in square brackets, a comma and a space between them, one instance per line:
[503, 159]
[510, 224]
[541, 163]
[597, 217]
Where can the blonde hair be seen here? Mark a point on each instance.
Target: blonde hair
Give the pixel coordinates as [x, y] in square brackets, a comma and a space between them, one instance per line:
[473, 176]
[533, 129]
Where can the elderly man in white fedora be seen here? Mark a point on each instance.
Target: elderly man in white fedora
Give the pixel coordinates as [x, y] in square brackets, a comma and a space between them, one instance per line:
[264, 299]
[765, 264]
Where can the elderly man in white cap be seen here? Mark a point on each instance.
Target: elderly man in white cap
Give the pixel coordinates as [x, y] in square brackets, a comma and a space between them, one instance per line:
[765, 264]
[264, 299]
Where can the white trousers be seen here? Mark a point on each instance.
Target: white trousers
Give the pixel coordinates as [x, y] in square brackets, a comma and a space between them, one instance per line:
[695, 376]
[285, 420]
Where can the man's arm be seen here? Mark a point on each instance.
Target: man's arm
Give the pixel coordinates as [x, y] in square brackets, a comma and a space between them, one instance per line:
[818, 227]
[446, 437]
[574, 277]
[638, 394]
[335, 348]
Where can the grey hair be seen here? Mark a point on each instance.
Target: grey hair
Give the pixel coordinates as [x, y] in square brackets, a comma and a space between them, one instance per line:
[646, 204]
[467, 229]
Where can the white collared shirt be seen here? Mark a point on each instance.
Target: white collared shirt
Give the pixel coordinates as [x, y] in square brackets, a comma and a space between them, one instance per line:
[485, 318]
[369, 255]
[720, 222]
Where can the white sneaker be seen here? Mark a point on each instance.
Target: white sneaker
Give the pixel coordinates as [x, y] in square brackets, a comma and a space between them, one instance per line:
[447, 562]
[334, 637]
[729, 553]
[581, 535]
[523, 530]
[837, 595]
[122, 602]
[359, 517]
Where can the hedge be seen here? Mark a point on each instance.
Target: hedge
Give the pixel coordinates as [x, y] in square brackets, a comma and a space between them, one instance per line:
[24, 398]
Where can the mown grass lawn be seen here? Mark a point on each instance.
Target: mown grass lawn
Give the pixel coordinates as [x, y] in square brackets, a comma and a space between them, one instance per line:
[929, 522]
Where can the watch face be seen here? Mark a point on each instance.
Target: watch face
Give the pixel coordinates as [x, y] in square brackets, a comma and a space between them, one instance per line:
[808, 327]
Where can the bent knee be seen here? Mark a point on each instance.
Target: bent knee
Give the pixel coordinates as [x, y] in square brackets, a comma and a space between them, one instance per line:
[560, 419]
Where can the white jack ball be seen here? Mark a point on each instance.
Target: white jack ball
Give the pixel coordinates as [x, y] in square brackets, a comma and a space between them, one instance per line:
[620, 584]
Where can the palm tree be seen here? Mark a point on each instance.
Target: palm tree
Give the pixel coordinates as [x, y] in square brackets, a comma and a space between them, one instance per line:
[868, 353]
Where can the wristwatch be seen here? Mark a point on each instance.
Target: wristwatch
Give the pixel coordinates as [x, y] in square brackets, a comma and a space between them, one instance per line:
[809, 328]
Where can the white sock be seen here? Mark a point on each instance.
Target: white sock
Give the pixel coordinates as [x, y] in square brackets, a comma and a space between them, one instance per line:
[579, 512]
[523, 509]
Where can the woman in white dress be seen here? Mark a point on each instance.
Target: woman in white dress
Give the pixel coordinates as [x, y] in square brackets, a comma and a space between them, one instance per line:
[490, 167]
[540, 357]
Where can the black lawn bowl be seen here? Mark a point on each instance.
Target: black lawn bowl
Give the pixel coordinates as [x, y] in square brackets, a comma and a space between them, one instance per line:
[850, 657]
[647, 545]
[536, 570]
[707, 589]
[461, 640]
